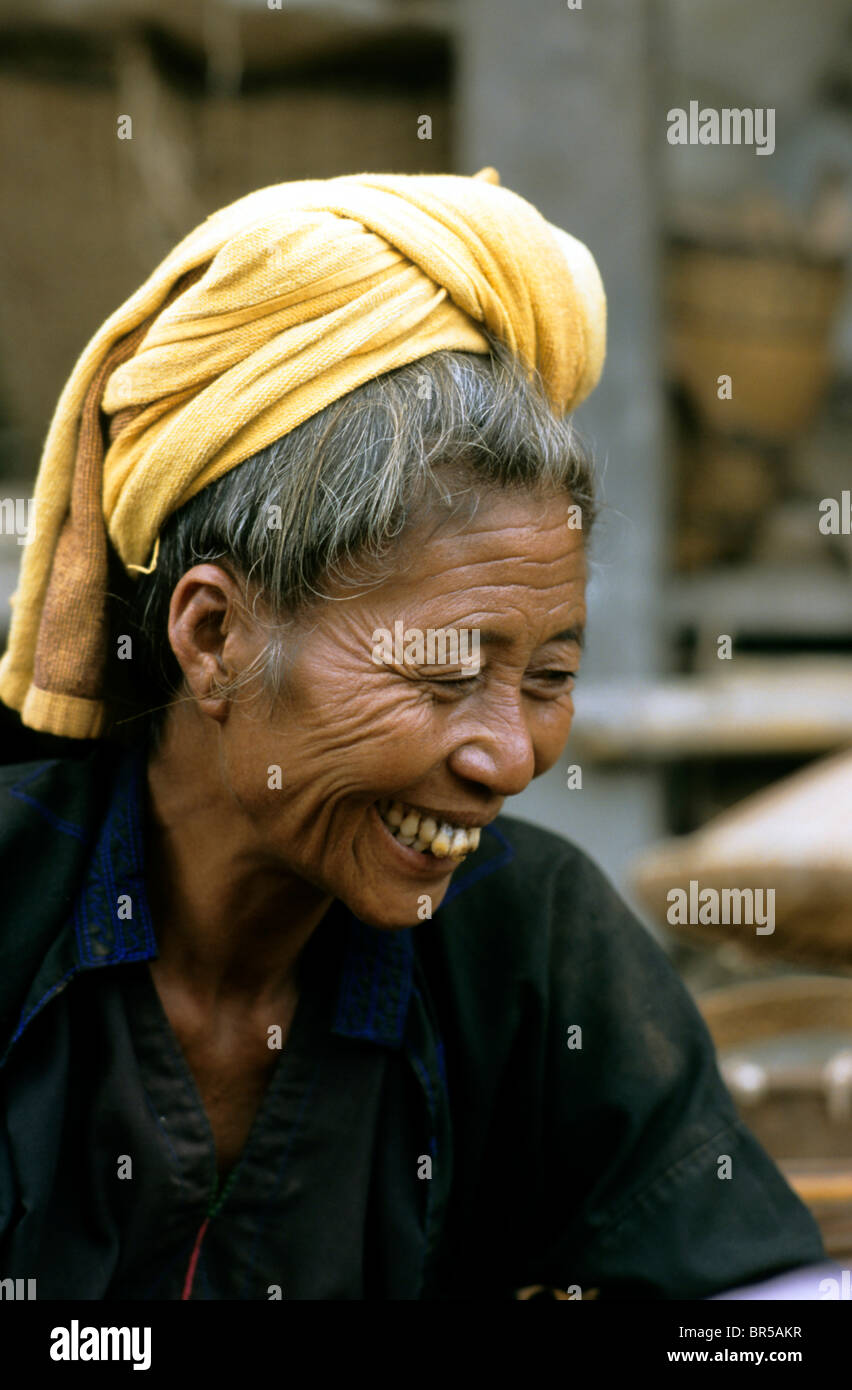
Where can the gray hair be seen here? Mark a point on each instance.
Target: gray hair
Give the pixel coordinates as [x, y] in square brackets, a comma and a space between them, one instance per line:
[329, 500]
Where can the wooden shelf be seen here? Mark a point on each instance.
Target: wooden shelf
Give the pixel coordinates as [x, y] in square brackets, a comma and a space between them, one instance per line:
[762, 600]
[764, 707]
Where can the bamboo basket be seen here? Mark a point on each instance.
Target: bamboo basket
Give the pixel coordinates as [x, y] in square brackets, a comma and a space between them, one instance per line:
[793, 839]
[726, 486]
[762, 317]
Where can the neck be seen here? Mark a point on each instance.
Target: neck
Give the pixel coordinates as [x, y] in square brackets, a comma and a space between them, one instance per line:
[230, 922]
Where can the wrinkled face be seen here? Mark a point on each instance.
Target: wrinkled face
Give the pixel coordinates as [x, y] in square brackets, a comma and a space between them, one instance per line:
[356, 734]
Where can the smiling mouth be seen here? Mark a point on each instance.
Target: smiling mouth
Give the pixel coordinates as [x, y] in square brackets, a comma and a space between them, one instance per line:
[419, 830]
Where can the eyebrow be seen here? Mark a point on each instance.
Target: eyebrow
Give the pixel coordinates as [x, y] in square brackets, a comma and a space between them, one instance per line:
[577, 635]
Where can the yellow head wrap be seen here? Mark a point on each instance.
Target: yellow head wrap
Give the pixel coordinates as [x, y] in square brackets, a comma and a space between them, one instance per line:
[270, 310]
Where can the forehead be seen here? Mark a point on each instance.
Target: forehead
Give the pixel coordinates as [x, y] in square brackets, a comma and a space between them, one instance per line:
[513, 539]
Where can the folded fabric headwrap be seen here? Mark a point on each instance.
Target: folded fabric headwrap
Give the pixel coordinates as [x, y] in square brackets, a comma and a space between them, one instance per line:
[270, 310]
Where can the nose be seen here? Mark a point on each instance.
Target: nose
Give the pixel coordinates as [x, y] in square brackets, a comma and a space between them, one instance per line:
[499, 754]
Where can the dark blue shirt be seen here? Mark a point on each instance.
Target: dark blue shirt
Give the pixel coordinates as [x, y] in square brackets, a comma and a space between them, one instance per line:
[431, 1129]
[130, 1205]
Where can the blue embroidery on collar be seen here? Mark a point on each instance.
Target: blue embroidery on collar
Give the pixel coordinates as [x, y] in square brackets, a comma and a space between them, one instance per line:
[378, 972]
[375, 983]
[112, 921]
[58, 822]
[479, 871]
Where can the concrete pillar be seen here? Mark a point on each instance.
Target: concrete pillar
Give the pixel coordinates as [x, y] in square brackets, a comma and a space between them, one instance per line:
[565, 104]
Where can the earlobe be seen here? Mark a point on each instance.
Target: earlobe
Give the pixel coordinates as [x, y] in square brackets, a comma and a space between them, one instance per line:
[204, 675]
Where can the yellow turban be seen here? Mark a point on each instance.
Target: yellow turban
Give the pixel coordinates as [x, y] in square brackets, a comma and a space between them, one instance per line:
[270, 310]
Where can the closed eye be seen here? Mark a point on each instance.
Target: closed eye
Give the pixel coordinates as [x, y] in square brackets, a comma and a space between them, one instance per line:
[554, 682]
[556, 676]
[453, 680]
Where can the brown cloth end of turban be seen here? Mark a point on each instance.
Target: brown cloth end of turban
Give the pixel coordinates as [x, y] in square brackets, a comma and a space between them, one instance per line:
[71, 652]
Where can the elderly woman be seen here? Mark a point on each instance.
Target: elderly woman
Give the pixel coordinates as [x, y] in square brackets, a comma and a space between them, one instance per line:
[288, 1008]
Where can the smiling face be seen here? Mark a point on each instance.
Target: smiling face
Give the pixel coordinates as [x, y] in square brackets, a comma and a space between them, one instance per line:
[352, 735]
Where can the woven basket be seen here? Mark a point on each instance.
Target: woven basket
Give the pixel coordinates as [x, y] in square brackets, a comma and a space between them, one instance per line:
[764, 320]
[725, 488]
[794, 838]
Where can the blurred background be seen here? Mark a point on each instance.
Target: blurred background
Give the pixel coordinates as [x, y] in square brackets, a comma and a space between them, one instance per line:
[721, 424]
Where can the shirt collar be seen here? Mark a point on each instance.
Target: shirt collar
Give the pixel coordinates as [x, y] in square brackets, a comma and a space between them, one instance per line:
[112, 921]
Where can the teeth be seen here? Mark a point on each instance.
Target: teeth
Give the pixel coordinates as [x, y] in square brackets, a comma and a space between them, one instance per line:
[443, 841]
[412, 827]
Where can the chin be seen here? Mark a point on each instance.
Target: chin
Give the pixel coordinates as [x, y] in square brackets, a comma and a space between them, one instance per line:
[375, 917]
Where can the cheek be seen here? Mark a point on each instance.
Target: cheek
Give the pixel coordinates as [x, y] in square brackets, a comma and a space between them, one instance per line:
[550, 734]
[340, 737]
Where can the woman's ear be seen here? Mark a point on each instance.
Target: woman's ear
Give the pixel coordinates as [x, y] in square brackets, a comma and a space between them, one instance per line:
[209, 635]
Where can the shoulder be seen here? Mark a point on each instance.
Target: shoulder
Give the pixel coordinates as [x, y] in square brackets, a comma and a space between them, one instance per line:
[545, 941]
[527, 858]
[60, 793]
[542, 896]
[49, 814]
[542, 939]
